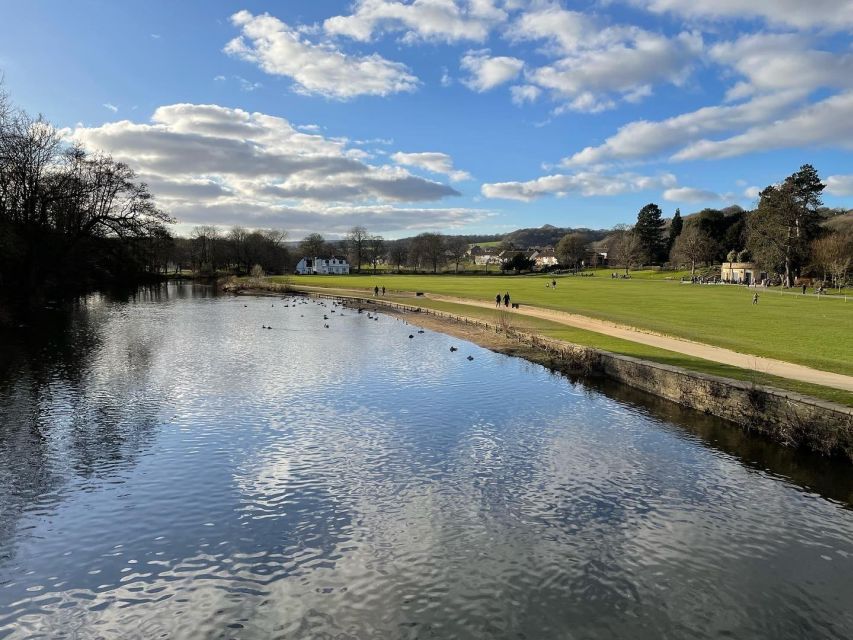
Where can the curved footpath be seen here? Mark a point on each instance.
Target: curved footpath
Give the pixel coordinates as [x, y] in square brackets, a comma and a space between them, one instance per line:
[679, 345]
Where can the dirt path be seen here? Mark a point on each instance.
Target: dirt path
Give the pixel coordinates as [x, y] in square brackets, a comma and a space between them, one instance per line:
[679, 345]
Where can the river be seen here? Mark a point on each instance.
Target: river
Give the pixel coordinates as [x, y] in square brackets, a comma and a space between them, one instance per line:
[171, 469]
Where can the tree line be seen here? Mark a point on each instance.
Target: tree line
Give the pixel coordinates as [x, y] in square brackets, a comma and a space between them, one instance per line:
[785, 236]
[69, 217]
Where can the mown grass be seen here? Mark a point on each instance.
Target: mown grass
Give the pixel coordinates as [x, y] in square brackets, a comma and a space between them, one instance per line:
[816, 332]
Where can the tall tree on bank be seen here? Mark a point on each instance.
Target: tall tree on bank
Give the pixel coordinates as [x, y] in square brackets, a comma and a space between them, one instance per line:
[649, 232]
[398, 253]
[357, 239]
[427, 248]
[675, 227]
[787, 220]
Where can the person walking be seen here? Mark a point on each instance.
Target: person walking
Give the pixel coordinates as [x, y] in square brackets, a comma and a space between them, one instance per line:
[755, 298]
[383, 290]
[553, 283]
[375, 291]
[804, 289]
[506, 299]
[498, 300]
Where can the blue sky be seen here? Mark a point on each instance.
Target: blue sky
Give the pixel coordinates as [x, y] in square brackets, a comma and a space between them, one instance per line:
[459, 116]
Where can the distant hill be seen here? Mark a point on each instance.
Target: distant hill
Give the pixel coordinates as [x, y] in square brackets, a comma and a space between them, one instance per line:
[840, 222]
[546, 235]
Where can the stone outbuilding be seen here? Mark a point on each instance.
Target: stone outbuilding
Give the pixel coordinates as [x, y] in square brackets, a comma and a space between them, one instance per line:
[741, 273]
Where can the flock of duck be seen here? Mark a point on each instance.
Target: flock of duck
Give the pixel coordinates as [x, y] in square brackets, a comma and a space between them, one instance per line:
[338, 307]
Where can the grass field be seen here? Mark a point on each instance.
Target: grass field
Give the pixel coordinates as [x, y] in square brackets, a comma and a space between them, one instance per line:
[803, 329]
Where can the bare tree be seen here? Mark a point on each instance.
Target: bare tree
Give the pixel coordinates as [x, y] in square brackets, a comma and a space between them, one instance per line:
[571, 249]
[457, 248]
[833, 254]
[375, 250]
[313, 245]
[398, 253]
[693, 247]
[625, 247]
[427, 248]
[357, 239]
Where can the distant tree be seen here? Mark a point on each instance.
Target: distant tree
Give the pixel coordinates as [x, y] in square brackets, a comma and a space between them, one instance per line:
[398, 253]
[833, 256]
[731, 256]
[693, 247]
[375, 250]
[313, 246]
[624, 247]
[675, 227]
[457, 248]
[518, 263]
[357, 239]
[648, 231]
[433, 244]
[571, 249]
[206, 242]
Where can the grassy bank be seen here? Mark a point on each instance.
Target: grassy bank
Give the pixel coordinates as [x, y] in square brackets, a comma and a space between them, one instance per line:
[802, 329]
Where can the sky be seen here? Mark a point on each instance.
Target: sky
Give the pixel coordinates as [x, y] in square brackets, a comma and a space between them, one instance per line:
[457, 116]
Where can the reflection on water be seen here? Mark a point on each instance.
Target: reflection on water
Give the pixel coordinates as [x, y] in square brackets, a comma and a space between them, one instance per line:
[168, 468]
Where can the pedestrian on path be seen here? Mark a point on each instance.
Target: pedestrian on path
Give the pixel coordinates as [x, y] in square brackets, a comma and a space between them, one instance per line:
[506, 299]
[375, 291]
[498, 300]
[383, 290]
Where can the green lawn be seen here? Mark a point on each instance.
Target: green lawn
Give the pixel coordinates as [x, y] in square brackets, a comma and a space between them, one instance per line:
[803, 329]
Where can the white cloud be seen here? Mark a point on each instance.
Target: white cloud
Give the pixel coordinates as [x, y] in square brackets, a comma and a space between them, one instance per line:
[431, 161]
[642, 139]
[690, 194]
[525, 93]
[777, 62]
[111, 107]
[840, 185]
[825, 123]
[207, 163]
[828, 14]
[752, 193]
[444, 20]
[489, 72]
[320, 69]
[586, 183]
[624, 69]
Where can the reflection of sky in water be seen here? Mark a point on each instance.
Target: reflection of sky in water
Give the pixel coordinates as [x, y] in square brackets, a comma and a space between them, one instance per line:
[169, 467]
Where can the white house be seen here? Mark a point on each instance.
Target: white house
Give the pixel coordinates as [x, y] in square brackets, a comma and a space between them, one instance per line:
[335, 265]
[544, 258]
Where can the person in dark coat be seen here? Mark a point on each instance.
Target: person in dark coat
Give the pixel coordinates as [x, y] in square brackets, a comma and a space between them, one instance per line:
[506, 299]
[498, 300]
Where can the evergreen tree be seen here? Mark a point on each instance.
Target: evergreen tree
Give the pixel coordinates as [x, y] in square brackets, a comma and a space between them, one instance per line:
[675, 227]
[649, 232]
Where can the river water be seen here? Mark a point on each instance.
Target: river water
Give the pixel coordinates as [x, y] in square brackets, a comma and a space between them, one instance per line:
[170, 469]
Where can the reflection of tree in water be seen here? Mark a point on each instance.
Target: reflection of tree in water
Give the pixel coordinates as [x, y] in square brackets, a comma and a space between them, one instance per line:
[72, 403]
